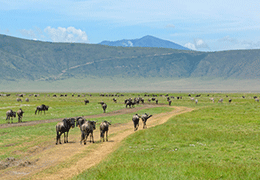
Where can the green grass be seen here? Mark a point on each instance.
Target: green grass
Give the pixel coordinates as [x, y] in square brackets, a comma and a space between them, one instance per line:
[217, 141]
[18, 141]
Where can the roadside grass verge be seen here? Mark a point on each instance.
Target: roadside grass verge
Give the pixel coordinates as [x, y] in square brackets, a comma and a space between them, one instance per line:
[19, 142]
[216, 142]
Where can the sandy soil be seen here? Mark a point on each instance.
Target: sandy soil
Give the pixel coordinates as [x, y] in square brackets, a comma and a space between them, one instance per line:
[67, 160]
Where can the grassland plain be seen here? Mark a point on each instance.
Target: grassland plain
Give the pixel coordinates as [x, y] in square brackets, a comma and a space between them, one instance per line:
[215, 141]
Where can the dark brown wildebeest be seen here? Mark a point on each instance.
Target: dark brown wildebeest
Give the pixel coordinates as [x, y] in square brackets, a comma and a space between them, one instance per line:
[20, 115]
[86, 101]
[104, 106]
[135, 120]
[144, 118]
[18, 99]
[10, 114]
[170, 102]
[41, 108]
[104, 126]
[115, 100]
[256, 99]
[86, 127]
[26, 99]
[63, 127]
[229, 100]
[130, 103]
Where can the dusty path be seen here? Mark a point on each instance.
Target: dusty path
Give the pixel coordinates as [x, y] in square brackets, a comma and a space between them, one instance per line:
[67, 160]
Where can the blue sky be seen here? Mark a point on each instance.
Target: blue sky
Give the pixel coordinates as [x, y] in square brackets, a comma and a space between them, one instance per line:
[200, 25]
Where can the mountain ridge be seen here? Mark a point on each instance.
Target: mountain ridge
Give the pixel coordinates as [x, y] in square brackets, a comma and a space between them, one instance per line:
[47, 61]
[146, 41]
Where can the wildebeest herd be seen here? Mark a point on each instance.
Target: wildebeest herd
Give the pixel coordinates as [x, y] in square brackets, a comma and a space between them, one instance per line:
[87, 126]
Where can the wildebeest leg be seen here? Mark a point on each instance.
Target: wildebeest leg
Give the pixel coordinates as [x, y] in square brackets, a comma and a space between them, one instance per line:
[67, 137]
[57, 138]
[82, 137]
[106, 135]
[86, 138]
[92, 137]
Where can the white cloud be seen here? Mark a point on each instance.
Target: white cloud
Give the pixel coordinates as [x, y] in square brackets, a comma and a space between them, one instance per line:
[69, 34]
[200, 44]
[190, 46]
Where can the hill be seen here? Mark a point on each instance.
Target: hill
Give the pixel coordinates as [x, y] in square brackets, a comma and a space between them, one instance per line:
[146, 41]
[45, 61]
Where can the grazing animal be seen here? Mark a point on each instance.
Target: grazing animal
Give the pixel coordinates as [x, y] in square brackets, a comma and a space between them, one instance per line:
[86, 127]
[26, 99]
[256, 99]
[104, 126]
[104, 106]
[196, 101]
[170, 102]
[86, 101]
[63, 127]
[135, 120]
[18, 99]
[220, 100]
[156, 101]
[192, 98]
[20, 115]
[115, 100]
[10, 114]
[243, 96]
[41, 108]
[144, 118]
[130, 103]
[229, 100]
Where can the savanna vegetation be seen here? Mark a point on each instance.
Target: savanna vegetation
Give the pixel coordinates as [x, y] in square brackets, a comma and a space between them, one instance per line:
[214, 141]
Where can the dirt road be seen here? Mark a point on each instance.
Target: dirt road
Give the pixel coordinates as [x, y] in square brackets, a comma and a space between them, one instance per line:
[67, 160]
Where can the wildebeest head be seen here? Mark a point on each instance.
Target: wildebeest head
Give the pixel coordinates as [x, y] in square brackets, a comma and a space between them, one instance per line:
[72, 122]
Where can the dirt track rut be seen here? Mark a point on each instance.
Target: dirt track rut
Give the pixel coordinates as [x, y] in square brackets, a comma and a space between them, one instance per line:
[53, 156]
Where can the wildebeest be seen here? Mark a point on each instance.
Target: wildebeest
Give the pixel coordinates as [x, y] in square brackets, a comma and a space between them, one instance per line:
[170, 102]
[130, 103]
[104, 106]
[256, 99]
[20, 115]
[135, 120]
[10, 114]
[104, 126]
[144, 118]
[220, 100]
[26, 99]
[115, 100]
[86, 127]
[229, 100]
[63, 127]
[196, 101]
[86, 101]
[18, 99]
[41, 108]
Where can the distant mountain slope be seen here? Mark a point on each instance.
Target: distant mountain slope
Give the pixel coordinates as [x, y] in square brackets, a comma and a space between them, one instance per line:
[36, 60]
[146, 41]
